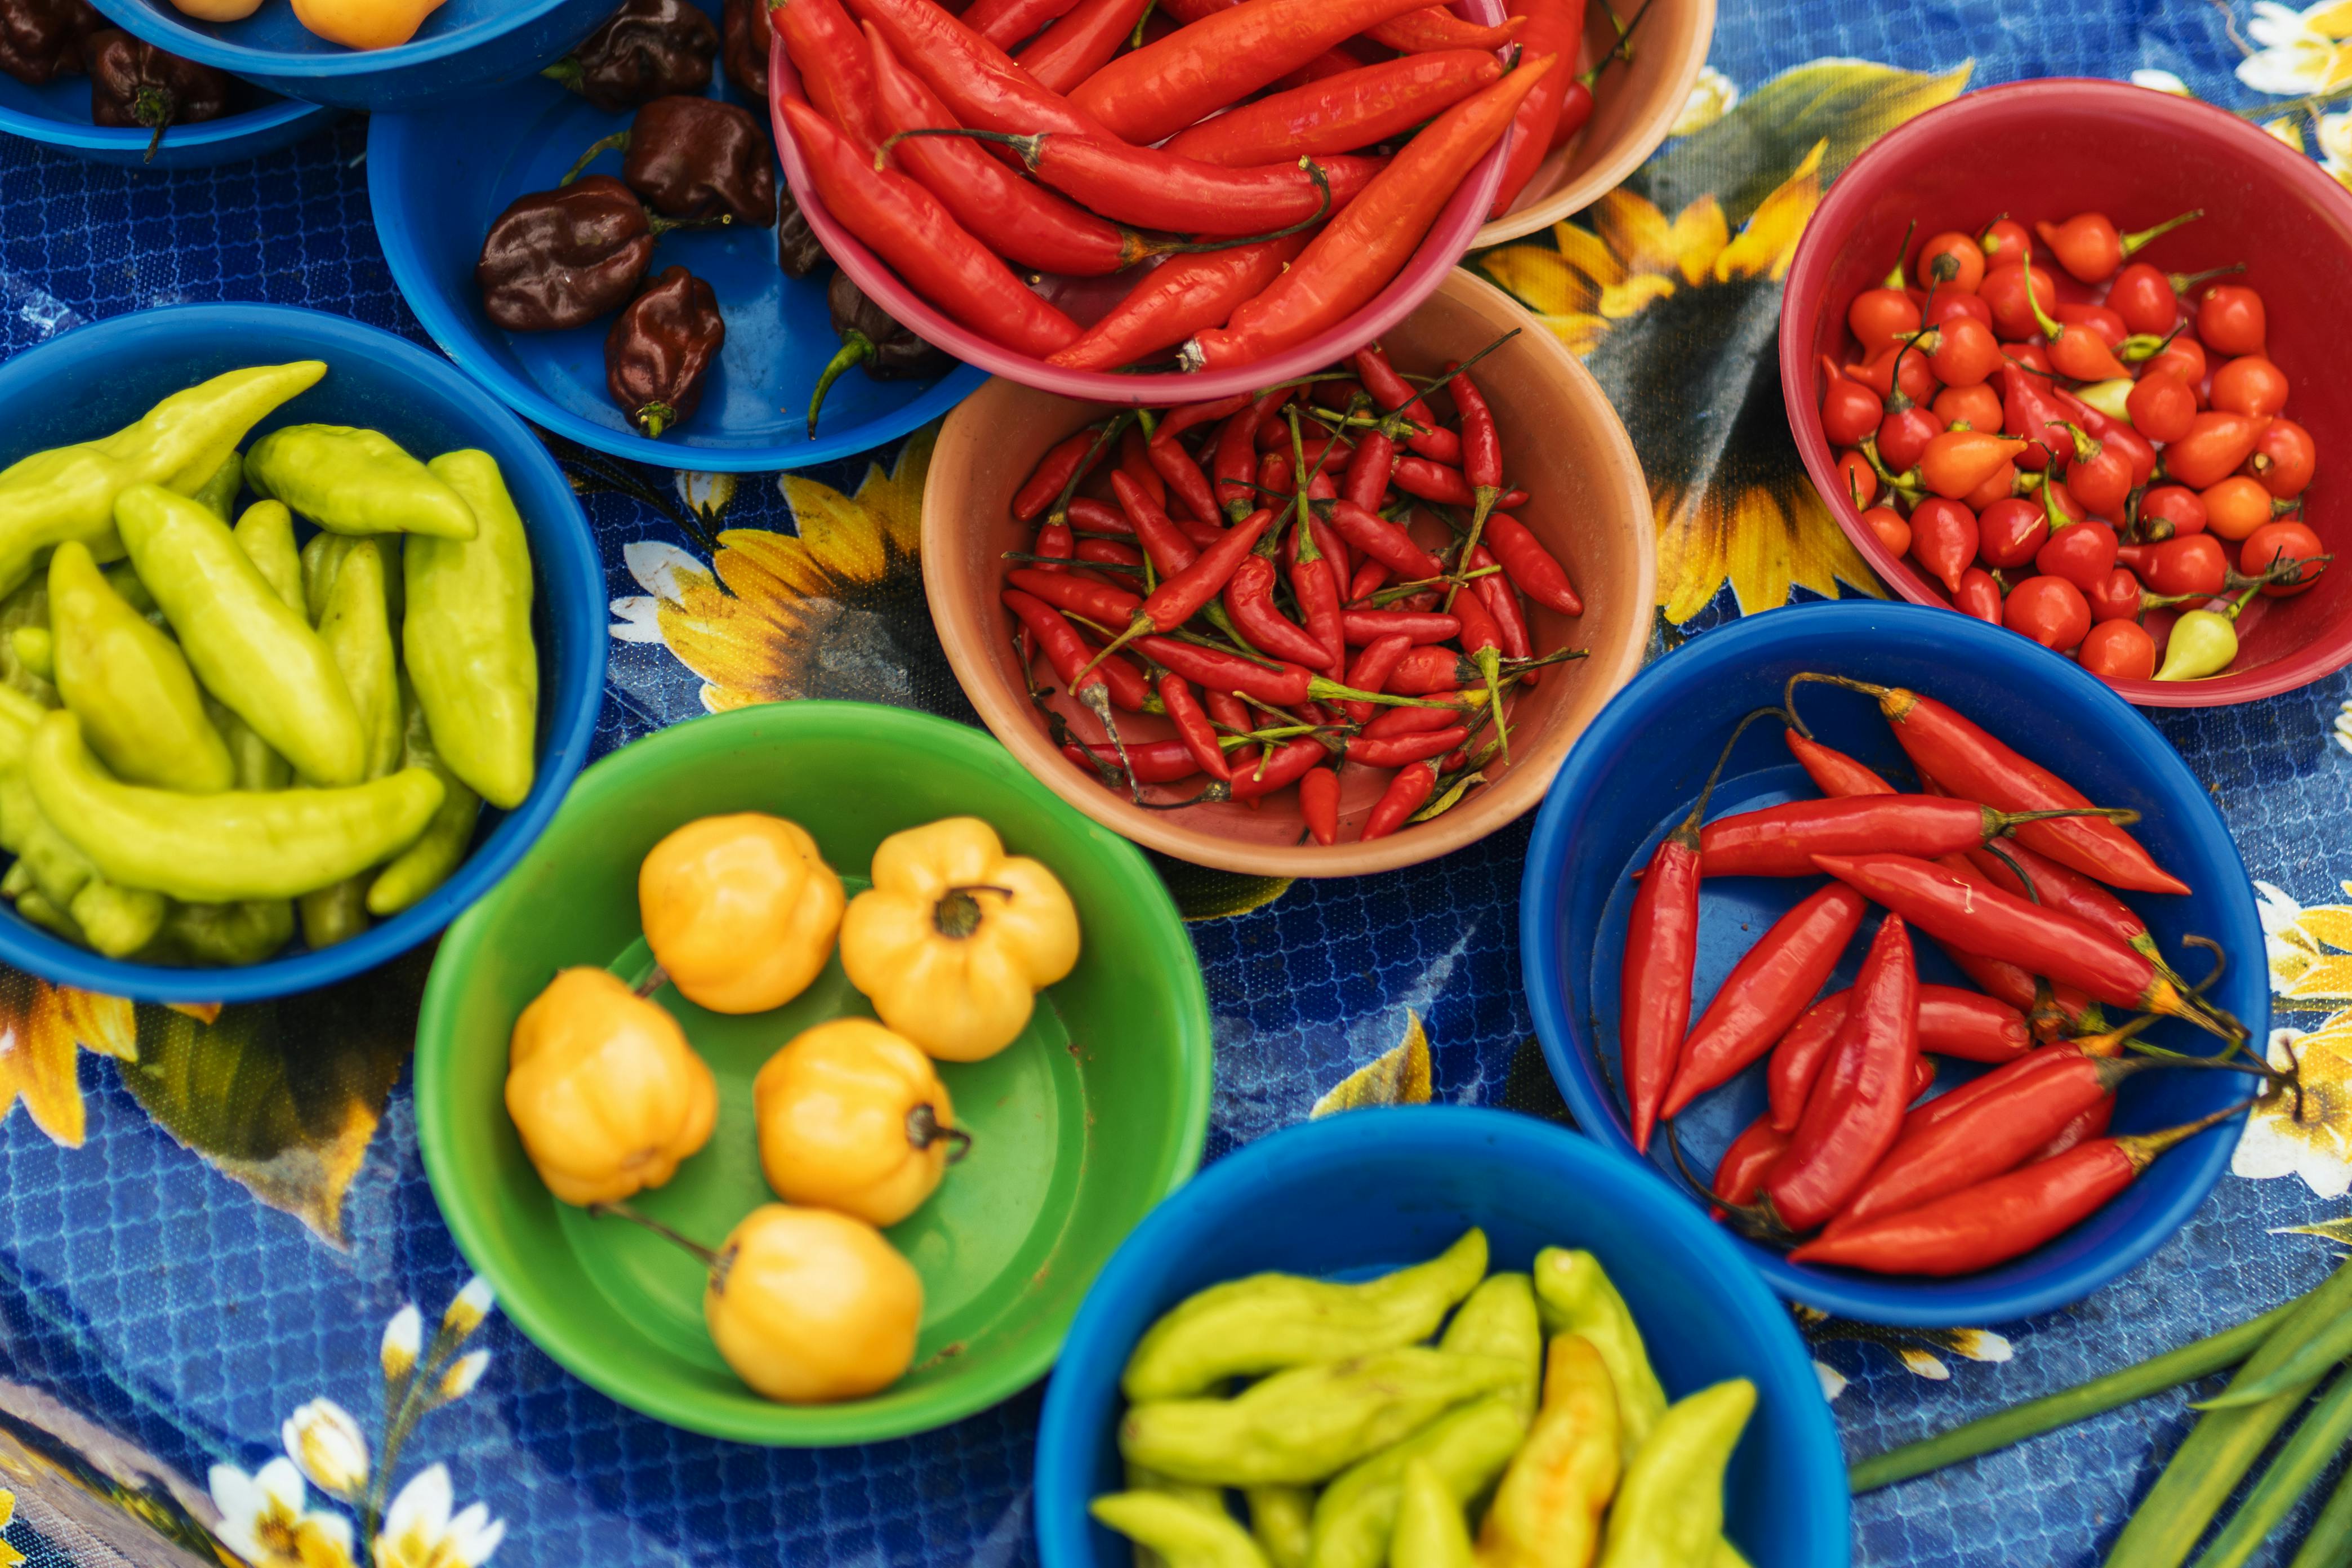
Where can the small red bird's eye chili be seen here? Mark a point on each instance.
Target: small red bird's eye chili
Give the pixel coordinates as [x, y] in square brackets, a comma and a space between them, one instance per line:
[1530, 567]
[1185, 479]
[1191, 586]
[1178, 298]
[1372, 671]
[1393, 396]
[1285, 766]
[1170, 551]
[1385, 542]
[1396, 750]
[1192, 726]
[1088, 516]
[1739, 1174]
[1054, 541]
[1281, 685]
[1781, 840]
[1318, 804]
[1766, 992]
[1104, 551]
[1501, 602]
[1407, 793]
[1426, 481]
[1482, 640]
[1075, 595]
[1482, 456]
[1855, 1110]
[1068, 654]
[1055, 472]
[1317, 594]
[1364, 628]
[1249, 599]
[1150, 761]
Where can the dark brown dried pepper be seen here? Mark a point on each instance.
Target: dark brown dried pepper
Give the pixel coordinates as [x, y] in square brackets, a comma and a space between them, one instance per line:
[872, 337]
[661, 348]
[748, 32]
[41, 40]
[643, 51]
[798, 249]
[132, 82]
[695, 158]
[562, 257]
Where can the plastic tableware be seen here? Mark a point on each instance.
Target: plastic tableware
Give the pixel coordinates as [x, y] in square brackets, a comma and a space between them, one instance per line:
[1371, 1190]
[1087, 300]
[1078, 1127]
[1960, 165]
[1641, 766]
[58, 115]
[96, 378]
[437, 180]
[464, 45]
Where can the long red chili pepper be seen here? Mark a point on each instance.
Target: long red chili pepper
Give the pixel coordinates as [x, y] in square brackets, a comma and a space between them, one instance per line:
[1191, 586]
[908, 227]
[1184, 477]
[2007, 1077]
[1249, 599]
[1953, 1021]
[1341, 113]
[1068, 654]
[1282, 685]
[1371, 672]
[1539, 575]
[1435, 27]
[1098, 602]
[1054, 472]
[1364, 628]
[1739, 1174]
[1383, 540]
[1855, 1112]
[1394, 395]
[1318, 600]
[1172, 553]
[1999, 1220]
[1407, 793]
[1054, 541]
[1396, 750]
[1767, 992]
[1088, 516]
[1833, 771]
[980, 83]
[1975, 766]
[836, 69]
[1426, 480]
[2092, 1124]
[1076, 45]
[1182, 296]
[1358, 252]
[1235, 465]
[1318, 804]
[2067, 890]
[1161, 88]
[1797, 1059]
[1192, 726]
[1551, 27]
[1148, 761]
[1287, 763]
[1005, 23]
[1781, 840]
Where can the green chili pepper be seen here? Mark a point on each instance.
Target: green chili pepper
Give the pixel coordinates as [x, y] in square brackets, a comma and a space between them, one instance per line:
[259, 766]
[1269, 1322]
[1669, 1507]
[130, 685]
[256, 655]
[1184, 1534]
[1211, 1499]
[227, 935]
[27, 606]
[1500, 1319]
[69, 492]
[354, 481]
[1468, 1448]
[44, 854]
[37, 650]
[217, 494]
[359, 636]
[1575, 1295]
[334, 913]
[427, 864]
[90, 910]
[215, 848]
[124, 578]
[117, 921]
[1305, 1424]
[36, 907]
[323, 557]
[467, 638]
[266, 534]
[1279, 1518]
[1430, 1530]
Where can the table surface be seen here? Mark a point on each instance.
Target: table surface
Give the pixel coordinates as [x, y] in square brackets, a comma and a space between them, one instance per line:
[205, 1232]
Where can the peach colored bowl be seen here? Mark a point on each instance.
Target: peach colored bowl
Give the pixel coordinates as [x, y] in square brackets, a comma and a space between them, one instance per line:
[1590, 506]
[1634, 107]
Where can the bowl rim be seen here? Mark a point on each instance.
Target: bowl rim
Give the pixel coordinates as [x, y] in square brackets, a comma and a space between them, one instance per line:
[1687, 1241]
[959, 624]
[245, 59]
[1644, 136]
[1422, 273]
[1903, 1300]
[209, 134]
[1817, 250]
[786, 1425]
[388, 145]
[571, 582]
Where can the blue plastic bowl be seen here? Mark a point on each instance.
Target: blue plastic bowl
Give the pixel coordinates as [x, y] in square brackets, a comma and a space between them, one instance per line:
[98, 378]
[1371, 1190]
[1636, 771]
[465, 46]
[58, 115]
[435, 182]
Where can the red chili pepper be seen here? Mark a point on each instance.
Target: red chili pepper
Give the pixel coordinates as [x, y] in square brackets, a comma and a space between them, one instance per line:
[1855, 1112]
[1192, 726]
[2092, 1124]
[1094, 517]
[2032, 414]
[1358, 252]
[1370, 578]
[1136, 464]
[2067, 890]
[1005, 23]
[1341, 113]
[1481, 445]
[1766, 992]
[1383, 540]
[1407, 793]
[1739, 1175]
[1973, 765]
[1283, 684]
[1289, 762]
[1369, 467]
[909, 228]
[1501, 602]
[836, 69]
[1191, 586]
[1575, 112]
[1068, 654]
[1394, 395]
[1371, 672]
[1797, 1058]
[1185, 416]
[1099, 601]
[1053, 539]
[1997, 1220]
[1396, 750]
[1054, 473]
[1108, 552]
[1552, 27]
[1318, 804]
[1170, 550]
[2009, 1077]
[1537, 573]
[1249, 600]
[1833, 771]
[980, 83]
[1459, 709]
[1182, 296]
[1953, 1021]
[1234, 465]
[1319, 602]
[1364, 628]
[1435, 27]
[1079, 44]
[1151, 762]
[1185, 479]
[1145, 185]
[1781, 840]
[1419, 477]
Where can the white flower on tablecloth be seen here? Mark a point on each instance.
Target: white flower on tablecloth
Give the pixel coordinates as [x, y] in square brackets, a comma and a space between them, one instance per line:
[2317, 1145]
[2336, 157]
[2298, 52]
[2161, 81]
[467, 1309]
[2297, 943]
[2342, 728]
[403, 1338]
[419, 1531]
[1711, 98]
[463, 1374]
[1833, 1382]
[264, 1520]
[326, 1444]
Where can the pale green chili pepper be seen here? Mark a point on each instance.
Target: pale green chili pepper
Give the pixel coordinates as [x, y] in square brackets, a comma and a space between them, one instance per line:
[36, 907]
[467, 637]
[2204, 642]
[1280, 1520]
[1468, 1448]
[336, 912]
[1430, 1530]
[37, 650]
[354, 481]
[124, 578]
[130, 685]
[266, 534]
[227, 935]
[93, 911]
[1726, 1555]
[218, 494]
[1500, 1319]
[218, 848]
[1576, 1297]
[359, 636]
[69, 492]
[323, 557]
[1184, 1534]
[1669, 1507]
[117, 921]
[427, 864]
[259, 766]
[27, 606]
[249, 649]
[1269, 1322]
[58, 869]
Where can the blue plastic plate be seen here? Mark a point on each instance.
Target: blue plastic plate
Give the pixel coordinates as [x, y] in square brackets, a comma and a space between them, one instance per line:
[1634, 773]
[438, 180]
[58, 115]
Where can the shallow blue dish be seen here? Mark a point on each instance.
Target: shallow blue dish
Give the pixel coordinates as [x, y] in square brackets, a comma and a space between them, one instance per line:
[1371, 1190]
[435, 182]
[1633, 775]
[58, 115]
[465, 45]
[98, 378]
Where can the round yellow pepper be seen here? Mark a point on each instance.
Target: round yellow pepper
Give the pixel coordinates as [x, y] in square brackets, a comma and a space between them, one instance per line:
[741, 910]
[604, 1090]
[365, 23]
[956, 938]
[809, 1306]
[853, 1118]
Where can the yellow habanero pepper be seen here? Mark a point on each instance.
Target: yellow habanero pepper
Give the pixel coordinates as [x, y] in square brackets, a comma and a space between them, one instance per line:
[956, 938]
[606, 1093]
[1547, 1512]
[365, 23]
[853, 1118]
[809, 1306]
[741, 910]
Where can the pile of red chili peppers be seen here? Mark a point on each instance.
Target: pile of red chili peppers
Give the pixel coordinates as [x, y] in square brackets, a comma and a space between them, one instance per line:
[2080, 440]
[1277, 215]
[2009, 869]
[1318, 578]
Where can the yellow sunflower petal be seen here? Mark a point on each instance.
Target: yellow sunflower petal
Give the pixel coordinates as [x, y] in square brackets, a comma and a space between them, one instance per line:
[1770, 239]
[1581, 335]
[1699, 234]
[1756, 551]
[1543, 280]
[736, 651]
[2330, 923]
[1588, 253]
[1634, 296]
[2333, 21]
[41, 1058]
[1635, 230]
[758, 564]
[1821, 557]
[105, 1024]
[2329, 978]
[1690, 553]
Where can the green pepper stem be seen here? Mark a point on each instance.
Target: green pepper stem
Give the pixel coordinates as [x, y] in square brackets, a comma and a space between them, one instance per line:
[566, 73]
[1027, 147]
[597, 149]
[856, 348]
[153, 107]
[656, 418]
[2133, 243]
[708, 1257]
[1893, 278]
[1191, 248]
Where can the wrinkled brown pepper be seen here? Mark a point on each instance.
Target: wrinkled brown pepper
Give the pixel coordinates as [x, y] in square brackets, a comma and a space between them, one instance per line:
[645, 50]
[798, 250]
[698, 158]
[562, 257]
[41, 40]
[132, 82]
[872, 337]
[660, 350]
[747, 36]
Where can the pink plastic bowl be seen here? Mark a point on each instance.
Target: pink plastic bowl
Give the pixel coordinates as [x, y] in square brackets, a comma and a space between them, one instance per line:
[2049, 150]
[1088, 298]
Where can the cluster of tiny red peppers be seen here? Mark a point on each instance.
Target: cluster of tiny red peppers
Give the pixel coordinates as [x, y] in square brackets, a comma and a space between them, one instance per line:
[1258, 555]
[2079, 439]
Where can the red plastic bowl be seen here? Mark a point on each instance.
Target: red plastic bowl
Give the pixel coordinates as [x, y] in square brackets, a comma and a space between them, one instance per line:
[2053, 148]
[1088, 298]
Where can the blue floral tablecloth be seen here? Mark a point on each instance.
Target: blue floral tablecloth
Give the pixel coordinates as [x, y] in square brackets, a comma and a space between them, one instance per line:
[233, 1327]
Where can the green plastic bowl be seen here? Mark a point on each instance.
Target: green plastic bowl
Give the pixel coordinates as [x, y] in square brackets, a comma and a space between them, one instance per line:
[1078, 1128]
